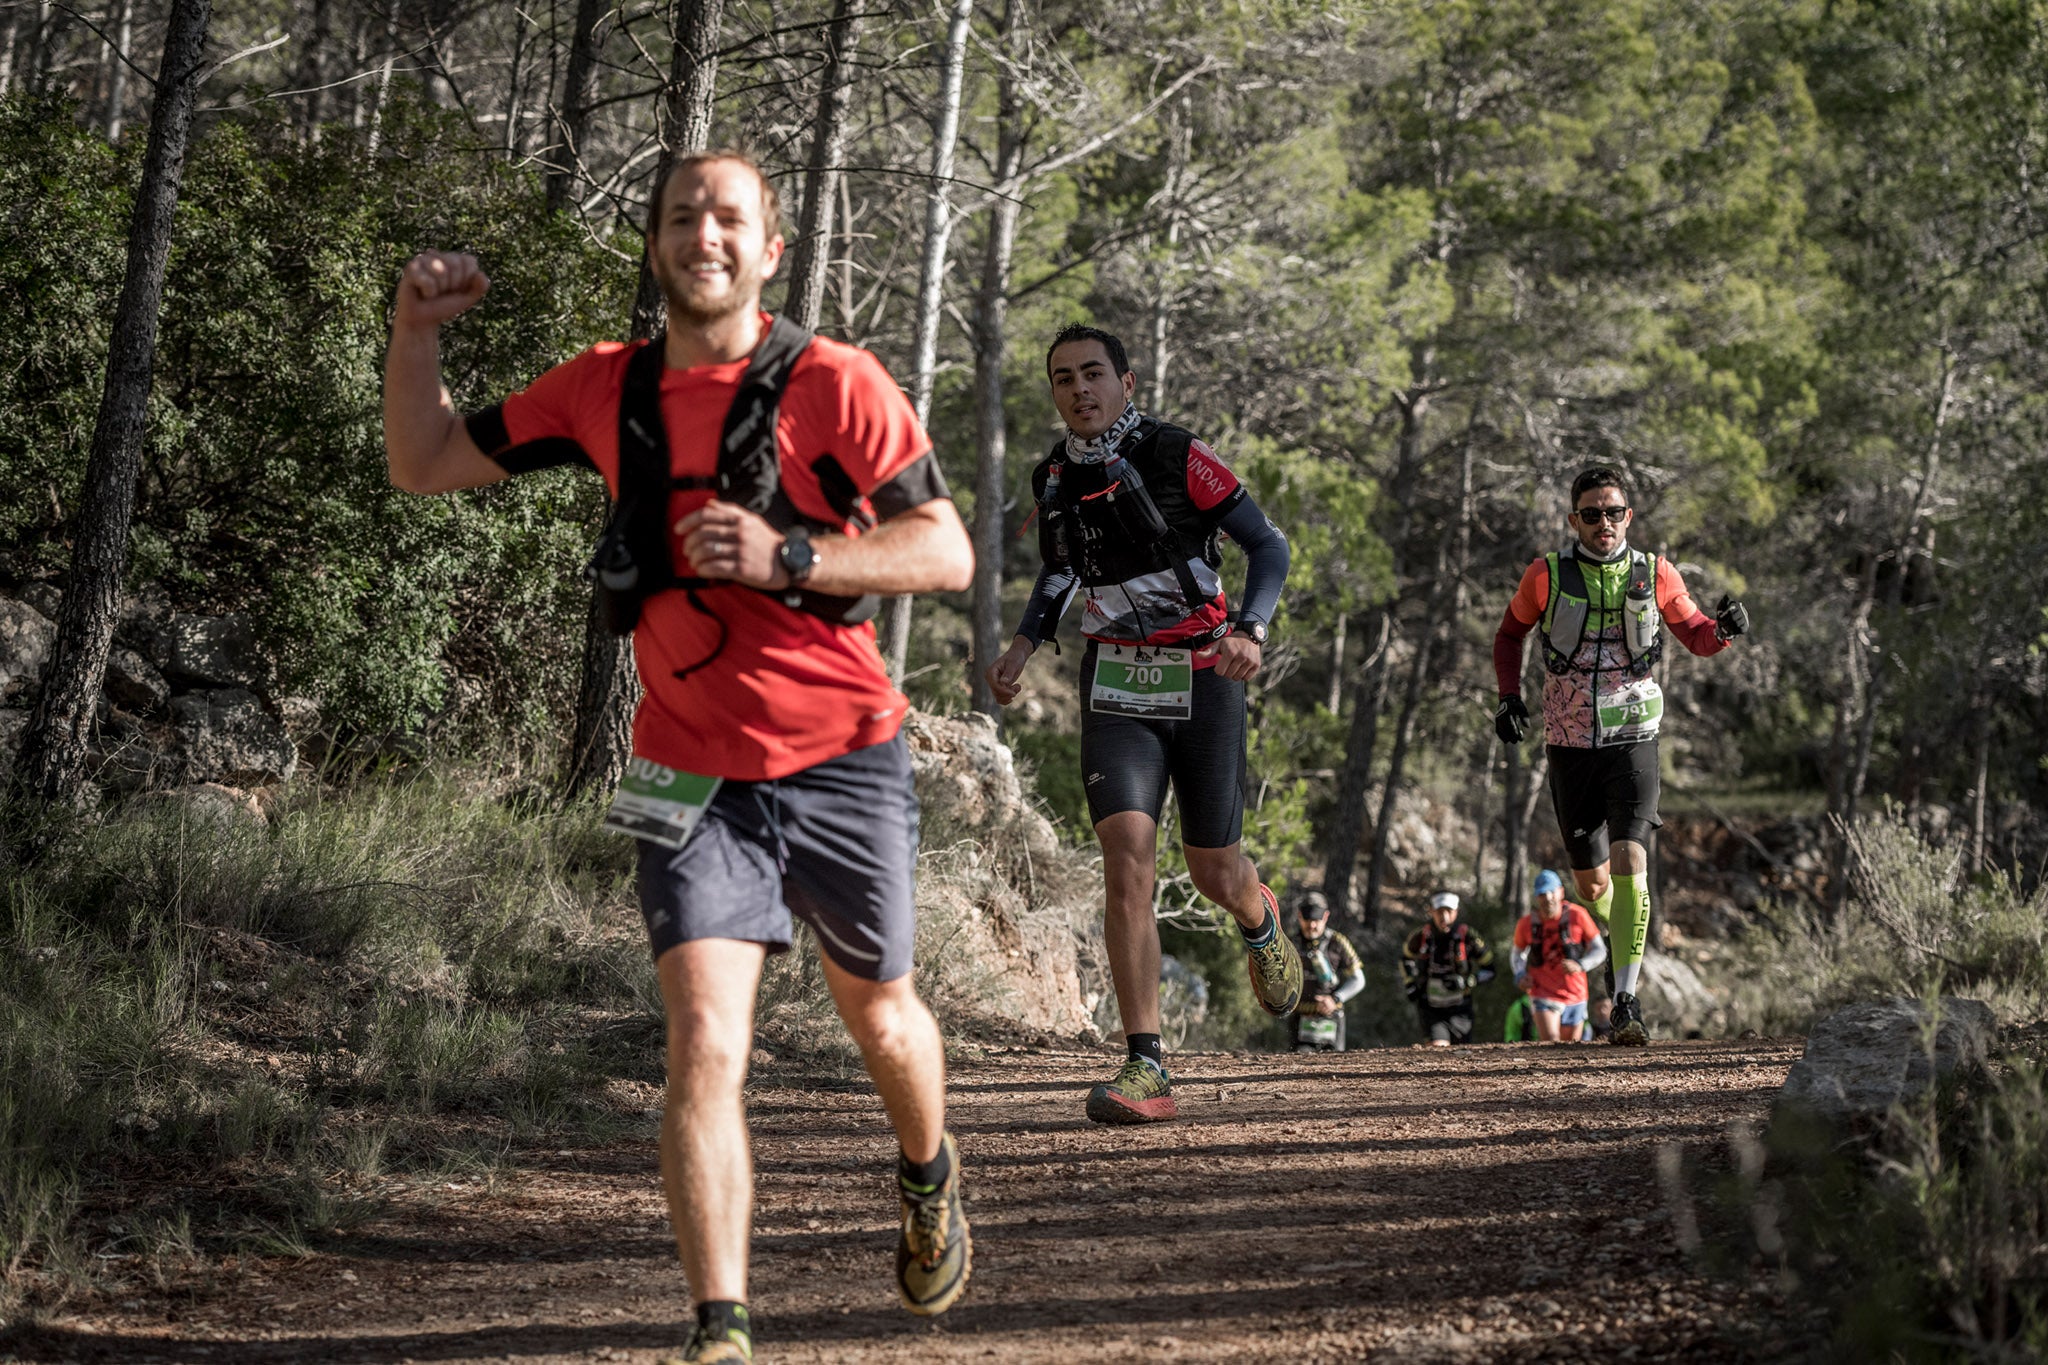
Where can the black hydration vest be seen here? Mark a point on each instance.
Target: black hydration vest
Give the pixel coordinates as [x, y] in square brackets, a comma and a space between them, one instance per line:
[1114, 530]
[633, 560]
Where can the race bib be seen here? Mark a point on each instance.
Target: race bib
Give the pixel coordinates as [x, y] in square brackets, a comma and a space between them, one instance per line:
[1152, 684]
[1631, 712]
[659, 804]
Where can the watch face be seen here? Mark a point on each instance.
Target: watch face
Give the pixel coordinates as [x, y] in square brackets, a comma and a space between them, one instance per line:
[797, 556]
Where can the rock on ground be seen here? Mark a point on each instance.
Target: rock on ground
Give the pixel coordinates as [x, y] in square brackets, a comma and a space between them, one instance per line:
[209, 651]
[227, 736]
[1862, 1060]
[26, 638]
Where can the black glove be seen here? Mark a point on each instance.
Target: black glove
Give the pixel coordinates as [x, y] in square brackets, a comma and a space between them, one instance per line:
[1731, 618]
[1511, 721]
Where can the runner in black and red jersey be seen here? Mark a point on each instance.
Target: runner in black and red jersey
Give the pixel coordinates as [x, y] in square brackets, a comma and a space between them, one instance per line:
[1131, 511]
[767, 483]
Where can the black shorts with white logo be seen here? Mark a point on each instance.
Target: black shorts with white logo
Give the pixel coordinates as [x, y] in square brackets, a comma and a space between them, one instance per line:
[1603, 795]
[1126, 761]
[834, 845]
[1452, 1024]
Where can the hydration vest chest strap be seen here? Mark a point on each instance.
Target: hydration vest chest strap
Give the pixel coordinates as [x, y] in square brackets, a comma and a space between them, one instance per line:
[1570, 605]
[633, 560]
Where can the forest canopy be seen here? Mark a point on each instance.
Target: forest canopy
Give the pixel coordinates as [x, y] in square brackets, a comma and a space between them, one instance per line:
[1406, 266]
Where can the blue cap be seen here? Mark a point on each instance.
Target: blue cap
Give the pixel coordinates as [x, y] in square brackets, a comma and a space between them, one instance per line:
[1546, 880]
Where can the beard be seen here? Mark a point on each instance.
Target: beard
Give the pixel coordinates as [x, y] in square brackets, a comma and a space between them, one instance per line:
[688, 302]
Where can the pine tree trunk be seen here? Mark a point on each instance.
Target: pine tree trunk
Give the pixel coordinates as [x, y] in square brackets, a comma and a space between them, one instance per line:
[53, 753]
[311, 75]
[991, 319]
[1354, 779]
[1337, 632]
[1397, 762]
[931, 279]
[608, 688]
[117, 69]
[565, 158]
[812, 254]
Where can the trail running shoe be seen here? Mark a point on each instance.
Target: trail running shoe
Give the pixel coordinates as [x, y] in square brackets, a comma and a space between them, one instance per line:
[731, 1348]
[1139, 1093]
[1629, 1030]
[1276, 968]
[936, 1254]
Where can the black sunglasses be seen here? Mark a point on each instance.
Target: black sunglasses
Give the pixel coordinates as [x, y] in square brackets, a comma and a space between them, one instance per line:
[1592, 515]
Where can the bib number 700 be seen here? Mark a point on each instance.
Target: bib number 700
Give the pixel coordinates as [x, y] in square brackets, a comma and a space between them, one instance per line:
[1153, 684]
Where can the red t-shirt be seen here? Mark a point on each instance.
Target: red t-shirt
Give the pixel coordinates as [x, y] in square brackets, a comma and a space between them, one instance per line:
[1544, 941]
[788, 690]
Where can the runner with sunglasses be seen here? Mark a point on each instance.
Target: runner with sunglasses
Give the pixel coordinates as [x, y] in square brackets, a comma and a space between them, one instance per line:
[1599, 604]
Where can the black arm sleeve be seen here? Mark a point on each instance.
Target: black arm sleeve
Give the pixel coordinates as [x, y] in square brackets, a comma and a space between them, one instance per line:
[1048, 602]
[487, 429]
[1266, 549]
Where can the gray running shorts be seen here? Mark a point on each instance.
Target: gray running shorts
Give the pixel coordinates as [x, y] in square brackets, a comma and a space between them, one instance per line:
[835, 845]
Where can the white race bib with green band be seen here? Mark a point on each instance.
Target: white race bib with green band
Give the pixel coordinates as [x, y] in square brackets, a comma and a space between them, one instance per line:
[1631, 712]
[1153, 684]
[659, 804]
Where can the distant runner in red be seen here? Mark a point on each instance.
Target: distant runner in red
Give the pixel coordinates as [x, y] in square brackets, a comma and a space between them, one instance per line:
[768, 484]
[1556, 944]
[1130, 512]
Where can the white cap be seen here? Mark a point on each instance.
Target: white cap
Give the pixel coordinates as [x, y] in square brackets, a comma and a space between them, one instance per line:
[1444, 900]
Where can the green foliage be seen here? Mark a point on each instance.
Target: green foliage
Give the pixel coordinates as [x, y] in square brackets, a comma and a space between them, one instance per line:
[1915, 926]
[264, 486]
[1927, 1237]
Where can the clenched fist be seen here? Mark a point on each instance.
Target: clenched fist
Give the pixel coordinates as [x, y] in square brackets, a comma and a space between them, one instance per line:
[438, 285]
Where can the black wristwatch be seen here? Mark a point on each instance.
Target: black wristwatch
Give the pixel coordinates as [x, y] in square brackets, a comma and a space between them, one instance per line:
[797, 557]
[1254, 630]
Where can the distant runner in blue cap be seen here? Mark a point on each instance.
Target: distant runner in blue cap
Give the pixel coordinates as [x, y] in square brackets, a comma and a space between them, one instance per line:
[1556, 944]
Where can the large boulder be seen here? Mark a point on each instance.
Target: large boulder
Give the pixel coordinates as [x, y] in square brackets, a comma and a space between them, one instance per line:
[26, 639]
[227, 736]
[133, 684]
[208, 651]
[1009, 902]
[1862, 1060]
[12, 723]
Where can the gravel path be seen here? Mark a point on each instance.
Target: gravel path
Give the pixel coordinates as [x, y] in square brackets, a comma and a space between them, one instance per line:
[1500, 1203]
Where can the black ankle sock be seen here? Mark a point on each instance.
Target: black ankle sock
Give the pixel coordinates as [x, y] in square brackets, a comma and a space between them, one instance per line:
[922, 1177]
[1146, 1045]
[719, 1316]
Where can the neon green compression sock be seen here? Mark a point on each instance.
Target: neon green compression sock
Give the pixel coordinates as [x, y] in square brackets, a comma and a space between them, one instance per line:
[1603, 903]
[1631, 892]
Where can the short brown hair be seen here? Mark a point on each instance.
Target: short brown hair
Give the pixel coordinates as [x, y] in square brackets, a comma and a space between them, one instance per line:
[771, 202]
[1599, 476]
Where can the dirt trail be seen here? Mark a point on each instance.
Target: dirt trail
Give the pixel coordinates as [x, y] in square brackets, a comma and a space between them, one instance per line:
[1497, 1204]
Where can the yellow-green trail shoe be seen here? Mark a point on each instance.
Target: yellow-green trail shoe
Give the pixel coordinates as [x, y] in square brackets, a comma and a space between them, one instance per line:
[935, 1255]
[1274, 967]
[731, 1347]
[1139, 1093]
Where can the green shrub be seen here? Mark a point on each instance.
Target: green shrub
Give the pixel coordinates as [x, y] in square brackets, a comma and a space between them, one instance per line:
[1914, 925]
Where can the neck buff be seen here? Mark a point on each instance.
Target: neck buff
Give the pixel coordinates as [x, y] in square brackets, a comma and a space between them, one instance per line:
[1100, 448]
[1620, 550]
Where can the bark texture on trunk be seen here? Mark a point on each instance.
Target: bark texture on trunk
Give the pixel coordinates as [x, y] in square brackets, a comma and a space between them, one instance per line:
[579, 86]
[117, 70]
[1354, 778]
[931, 278]
[991, 317]
[53, 753]
[812, 254]
[608, 688]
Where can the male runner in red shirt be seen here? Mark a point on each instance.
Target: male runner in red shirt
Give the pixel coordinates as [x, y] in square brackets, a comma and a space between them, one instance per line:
[767, 758]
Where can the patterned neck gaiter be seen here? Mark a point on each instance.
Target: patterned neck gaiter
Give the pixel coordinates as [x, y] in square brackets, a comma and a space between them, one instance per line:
[1102, 447]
